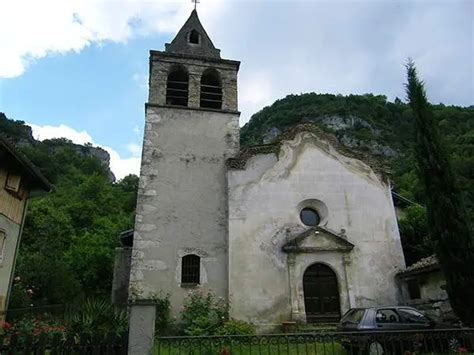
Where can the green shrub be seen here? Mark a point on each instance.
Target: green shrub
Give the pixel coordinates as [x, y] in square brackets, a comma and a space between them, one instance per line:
[97, 316]
[163, 322]
[203, 314]
[236, 327]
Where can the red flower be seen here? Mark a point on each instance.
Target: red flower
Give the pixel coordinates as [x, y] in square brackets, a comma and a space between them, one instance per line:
[462, 350]
[6, 326]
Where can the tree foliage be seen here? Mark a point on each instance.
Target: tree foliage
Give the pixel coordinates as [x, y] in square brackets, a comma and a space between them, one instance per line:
[70, 236]
[448, 222]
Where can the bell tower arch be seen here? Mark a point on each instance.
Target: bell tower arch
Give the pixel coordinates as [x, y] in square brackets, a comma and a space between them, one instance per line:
[181, 227]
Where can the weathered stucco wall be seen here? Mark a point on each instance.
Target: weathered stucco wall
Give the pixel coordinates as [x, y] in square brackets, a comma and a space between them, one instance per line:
[434, 300]
[265, 200]
[182, 201]
[12, 232]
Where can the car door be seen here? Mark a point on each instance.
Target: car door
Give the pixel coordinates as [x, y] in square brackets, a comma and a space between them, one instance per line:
[388, 319]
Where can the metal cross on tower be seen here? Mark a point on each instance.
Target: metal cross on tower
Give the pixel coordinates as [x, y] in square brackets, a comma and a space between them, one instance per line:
[195, 3]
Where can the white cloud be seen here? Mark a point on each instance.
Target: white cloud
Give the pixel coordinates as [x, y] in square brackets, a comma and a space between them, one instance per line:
[32, 29]
[61, 131]
[135, 149]
[120, 166]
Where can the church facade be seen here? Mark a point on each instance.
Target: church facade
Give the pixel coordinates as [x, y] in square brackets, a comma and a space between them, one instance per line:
[300, 230]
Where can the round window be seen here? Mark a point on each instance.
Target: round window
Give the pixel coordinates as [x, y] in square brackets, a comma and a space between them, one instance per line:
[309, 217]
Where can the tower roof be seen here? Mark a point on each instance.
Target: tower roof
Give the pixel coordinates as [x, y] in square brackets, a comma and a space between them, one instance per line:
[192, 39]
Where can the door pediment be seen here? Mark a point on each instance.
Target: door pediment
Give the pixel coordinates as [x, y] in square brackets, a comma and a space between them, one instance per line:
[317, 239]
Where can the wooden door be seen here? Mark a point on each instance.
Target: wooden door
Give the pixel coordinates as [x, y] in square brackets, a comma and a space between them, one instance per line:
[321, 294]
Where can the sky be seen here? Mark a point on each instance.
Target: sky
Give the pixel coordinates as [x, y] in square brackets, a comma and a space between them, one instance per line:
[79, 68]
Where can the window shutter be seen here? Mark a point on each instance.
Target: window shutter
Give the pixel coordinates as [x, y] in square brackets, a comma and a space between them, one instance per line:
[13, 182]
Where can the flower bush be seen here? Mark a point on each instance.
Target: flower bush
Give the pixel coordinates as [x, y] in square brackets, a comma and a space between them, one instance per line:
[203, 314]
[209, 315]
[31, 328]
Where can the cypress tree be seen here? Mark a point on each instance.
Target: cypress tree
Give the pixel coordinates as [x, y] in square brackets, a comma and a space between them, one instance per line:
[448, 222]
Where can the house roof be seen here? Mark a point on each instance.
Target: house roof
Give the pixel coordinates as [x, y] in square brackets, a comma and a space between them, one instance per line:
[37, 177]
[429, 263]
[181, 44]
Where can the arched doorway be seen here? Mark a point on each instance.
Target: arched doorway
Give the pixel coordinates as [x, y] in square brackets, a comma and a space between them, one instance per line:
[321, 294]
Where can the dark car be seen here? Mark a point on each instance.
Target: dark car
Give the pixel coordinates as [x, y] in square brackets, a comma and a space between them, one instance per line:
[393, 329]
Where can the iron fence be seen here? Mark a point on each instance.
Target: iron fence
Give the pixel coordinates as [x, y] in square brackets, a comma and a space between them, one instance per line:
[369, 342]
[60, 344]
[55, 311]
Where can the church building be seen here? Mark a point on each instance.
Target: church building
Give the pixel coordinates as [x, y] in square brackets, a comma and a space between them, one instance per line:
[299, 230]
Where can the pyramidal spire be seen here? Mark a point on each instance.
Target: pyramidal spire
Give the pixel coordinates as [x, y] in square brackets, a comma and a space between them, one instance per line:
[192, 39]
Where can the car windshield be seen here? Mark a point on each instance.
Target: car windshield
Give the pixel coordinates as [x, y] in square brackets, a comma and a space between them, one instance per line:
[353, 316]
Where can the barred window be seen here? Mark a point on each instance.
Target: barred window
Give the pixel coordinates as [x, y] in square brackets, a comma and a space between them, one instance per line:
[190, 265]
[211, 89]
[177, 87]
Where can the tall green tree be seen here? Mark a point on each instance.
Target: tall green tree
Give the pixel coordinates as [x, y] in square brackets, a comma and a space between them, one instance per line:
[447, 218]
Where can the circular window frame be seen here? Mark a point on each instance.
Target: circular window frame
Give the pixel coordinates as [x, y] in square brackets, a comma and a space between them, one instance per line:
[315, 216]
[317, 206]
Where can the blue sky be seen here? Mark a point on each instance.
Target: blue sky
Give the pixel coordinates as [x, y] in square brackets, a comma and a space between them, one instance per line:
[78, 68]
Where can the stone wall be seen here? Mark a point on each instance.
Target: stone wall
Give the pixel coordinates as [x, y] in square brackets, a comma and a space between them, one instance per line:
[182, 201]
[121, 277]
[265, 200]
[433, 301]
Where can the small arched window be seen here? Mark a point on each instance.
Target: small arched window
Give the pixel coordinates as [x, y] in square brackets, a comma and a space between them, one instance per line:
[177, 87]
[190, 269]
[211, 89]
[194, 37]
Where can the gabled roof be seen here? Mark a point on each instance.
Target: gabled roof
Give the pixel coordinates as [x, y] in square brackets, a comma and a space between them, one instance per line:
[239, 162]
[427, 264]
[30, 169]
[338, 243]
[181, 45]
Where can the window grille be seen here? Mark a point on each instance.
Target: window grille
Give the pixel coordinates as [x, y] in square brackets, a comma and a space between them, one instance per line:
[211, 89]
[190, 273]
[177, 87]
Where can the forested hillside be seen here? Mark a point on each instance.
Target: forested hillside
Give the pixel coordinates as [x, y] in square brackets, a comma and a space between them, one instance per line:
[68, 243]
[70, 235]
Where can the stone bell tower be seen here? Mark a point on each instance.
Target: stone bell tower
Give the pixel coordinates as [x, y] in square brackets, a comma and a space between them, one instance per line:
[181, 228]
